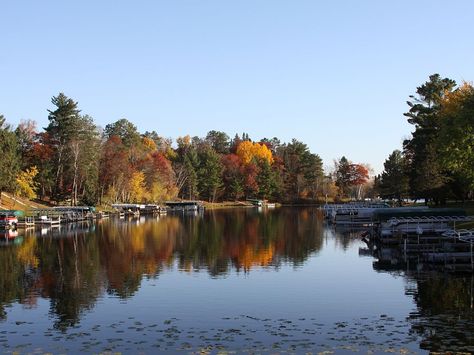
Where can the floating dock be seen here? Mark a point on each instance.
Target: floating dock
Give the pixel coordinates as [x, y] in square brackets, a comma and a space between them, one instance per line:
[426, 236]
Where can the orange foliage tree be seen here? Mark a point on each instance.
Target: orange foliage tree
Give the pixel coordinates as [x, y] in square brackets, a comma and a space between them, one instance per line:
[249, 151]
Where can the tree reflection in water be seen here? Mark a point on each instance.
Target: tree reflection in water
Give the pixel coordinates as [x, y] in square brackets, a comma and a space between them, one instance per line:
[445, 314]
[76, 265]
[444, 317]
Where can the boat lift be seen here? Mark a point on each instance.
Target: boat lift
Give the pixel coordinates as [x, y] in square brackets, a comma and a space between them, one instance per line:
[466, 236]
[332, 210]
[420, 225]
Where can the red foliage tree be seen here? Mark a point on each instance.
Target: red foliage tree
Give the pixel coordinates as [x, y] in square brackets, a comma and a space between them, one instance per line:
[232, 176]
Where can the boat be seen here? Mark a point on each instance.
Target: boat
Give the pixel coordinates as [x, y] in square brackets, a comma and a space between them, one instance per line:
[9, 234]
[50, 221]
[10, 237]
[256, 202]
[8, 219]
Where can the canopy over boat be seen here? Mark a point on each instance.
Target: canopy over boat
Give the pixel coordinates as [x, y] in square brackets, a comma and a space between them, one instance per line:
[384, 214]
[15, 213]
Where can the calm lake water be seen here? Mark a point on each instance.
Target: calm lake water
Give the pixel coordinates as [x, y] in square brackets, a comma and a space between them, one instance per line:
[230, 281]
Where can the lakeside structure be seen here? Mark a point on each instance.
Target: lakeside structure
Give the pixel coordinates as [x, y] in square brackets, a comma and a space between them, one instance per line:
[422, 236]
[185, 206]
[13, 219]
[9, 219]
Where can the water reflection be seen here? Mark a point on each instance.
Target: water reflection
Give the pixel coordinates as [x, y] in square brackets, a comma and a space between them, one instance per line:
[444, 315]
[74, 265]
[103, 266]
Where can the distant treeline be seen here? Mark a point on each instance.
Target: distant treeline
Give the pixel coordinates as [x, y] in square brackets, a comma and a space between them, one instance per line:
[437, 161]
[72, 161]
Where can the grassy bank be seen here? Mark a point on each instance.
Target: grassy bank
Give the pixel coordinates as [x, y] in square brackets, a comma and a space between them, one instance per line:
[227, 204]
[10, 202]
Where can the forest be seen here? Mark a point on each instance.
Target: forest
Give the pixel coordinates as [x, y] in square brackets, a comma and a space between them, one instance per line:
[437, 162]
[74, 161]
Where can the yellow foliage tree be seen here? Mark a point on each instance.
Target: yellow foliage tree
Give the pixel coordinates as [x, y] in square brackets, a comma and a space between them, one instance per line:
[26, 186]
[261, 151]
[111, 195]
[158, 192]
[248, 151]
[149, 144]
[137, 187]
[184, 141]
[170, 154]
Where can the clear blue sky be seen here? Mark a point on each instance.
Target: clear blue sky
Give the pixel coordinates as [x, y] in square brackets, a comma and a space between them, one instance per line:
[333, 74]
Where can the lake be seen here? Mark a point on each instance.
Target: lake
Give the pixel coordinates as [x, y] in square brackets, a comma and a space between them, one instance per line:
[222, 282]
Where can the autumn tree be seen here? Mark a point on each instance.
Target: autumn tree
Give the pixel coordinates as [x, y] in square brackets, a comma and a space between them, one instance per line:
[235, 142]
[248, 152]
[456, 137]
[114, 170]
[137, 188]
[250, 173]
[26, 185]
[232, 176]
[358, 176]
[42, 155]
[162, 144]
[159, 177]
[349, 176]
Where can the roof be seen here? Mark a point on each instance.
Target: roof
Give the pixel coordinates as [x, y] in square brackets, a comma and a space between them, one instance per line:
[383, 214]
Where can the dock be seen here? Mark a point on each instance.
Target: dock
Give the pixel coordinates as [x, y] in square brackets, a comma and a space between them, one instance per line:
[184, 206]
[428, 237]
[136, 209]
